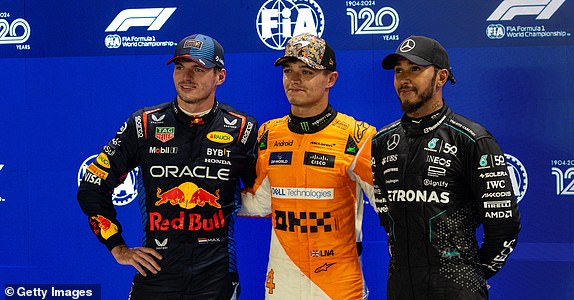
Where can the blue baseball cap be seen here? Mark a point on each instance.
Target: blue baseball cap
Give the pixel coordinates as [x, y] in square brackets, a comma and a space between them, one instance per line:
[200, 48]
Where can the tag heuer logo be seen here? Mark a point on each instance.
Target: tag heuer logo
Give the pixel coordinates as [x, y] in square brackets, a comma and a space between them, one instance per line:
[164, 134]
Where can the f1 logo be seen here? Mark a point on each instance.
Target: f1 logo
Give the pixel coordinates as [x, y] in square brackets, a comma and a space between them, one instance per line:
[542, 9]
[153, 18]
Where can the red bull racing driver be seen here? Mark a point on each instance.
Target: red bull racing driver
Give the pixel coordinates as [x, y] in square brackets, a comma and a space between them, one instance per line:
[193, 152]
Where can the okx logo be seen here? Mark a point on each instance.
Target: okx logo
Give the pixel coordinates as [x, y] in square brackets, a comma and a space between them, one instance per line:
[152, 18]
[279, 20]
[542, 9]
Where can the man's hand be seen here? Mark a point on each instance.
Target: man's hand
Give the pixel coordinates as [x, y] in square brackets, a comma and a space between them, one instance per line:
[141, 258]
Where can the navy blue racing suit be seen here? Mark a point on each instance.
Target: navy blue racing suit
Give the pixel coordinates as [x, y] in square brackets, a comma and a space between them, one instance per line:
[191, 170]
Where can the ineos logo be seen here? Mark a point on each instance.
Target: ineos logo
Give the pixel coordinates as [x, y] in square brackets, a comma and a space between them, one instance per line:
[407, 45]
[393, 142]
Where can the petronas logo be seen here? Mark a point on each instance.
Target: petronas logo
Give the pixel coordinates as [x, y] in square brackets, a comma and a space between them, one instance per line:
[304, 126]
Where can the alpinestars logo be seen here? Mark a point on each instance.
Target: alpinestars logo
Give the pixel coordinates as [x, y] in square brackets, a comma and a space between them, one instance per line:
[279, 20]
[542, 9]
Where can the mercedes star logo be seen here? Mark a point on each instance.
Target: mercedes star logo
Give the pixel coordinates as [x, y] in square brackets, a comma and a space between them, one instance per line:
[407, 45]
[393, 142]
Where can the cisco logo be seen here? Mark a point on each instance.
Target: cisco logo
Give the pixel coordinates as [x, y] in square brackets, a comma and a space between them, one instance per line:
[279, 20]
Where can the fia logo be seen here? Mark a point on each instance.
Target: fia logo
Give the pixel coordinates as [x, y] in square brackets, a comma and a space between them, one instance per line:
[495, 31]
[279, 20]
[518, 176]
[127, 191]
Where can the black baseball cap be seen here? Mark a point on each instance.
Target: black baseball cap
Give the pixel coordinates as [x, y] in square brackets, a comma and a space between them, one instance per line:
[422, 51]
[200, 48]
[310, 49]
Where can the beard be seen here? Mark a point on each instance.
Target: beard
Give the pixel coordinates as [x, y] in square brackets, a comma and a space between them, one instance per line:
[423, 97]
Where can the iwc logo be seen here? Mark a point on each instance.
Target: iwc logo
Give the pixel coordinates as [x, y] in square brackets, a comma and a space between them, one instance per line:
[279, 20]
[128, 191]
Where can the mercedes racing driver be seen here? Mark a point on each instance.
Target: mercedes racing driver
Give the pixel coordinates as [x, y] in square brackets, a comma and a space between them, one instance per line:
[438, 176]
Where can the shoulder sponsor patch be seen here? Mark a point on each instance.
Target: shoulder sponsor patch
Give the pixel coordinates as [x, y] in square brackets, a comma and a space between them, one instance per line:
[164, 134]
[97, 171]
[103, 160]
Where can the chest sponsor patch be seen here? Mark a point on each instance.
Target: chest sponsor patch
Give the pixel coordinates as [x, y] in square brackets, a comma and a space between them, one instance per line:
[220, 137]
[319, 160]
[280, 158]
[164, 134]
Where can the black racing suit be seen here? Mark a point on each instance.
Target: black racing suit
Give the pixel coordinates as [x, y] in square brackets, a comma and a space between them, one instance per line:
[191, 169]
[436, 180]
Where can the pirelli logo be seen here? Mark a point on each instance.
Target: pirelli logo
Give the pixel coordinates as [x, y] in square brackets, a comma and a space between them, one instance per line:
[497, 204]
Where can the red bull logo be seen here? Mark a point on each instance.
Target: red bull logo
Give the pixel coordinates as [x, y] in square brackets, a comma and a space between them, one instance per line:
[188, 195]
[102, 225]
[189, 222]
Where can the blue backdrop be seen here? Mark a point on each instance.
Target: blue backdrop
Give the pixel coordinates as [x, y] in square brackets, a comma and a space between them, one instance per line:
[71, 72]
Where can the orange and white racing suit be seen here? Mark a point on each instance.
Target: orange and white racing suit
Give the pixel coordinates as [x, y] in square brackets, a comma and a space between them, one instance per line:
[312, 186]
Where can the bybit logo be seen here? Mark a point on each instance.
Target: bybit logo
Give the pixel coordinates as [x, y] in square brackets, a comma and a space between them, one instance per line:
[152, 18]
[542, 9]
[279, 20]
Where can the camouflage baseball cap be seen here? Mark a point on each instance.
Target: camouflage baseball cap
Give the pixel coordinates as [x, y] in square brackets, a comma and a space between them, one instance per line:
[310, 49]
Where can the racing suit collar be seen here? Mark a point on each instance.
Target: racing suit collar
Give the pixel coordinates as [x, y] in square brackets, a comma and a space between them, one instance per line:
[194, 121]
[426, 124]
[312, 124]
